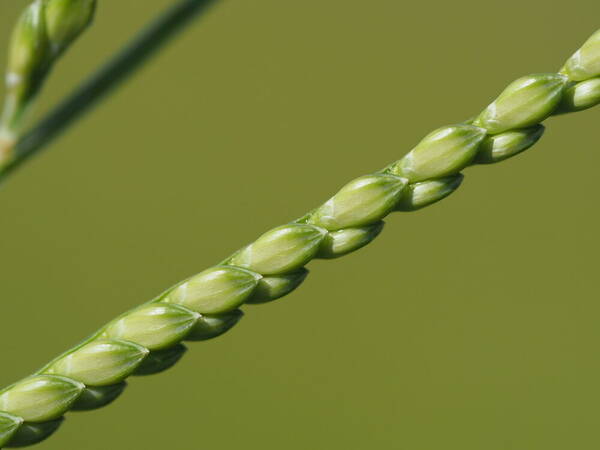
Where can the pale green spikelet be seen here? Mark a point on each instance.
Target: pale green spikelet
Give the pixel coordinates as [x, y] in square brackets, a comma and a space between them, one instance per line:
[41, 34]
[445, 151]
[29, 57]
[505, 145]
[65, 20]
[283, 249]
[216, 290]
[100, 363]
[276, 286]
[33, 433]
[94, 397]
[210, 326]
[580, 96]
[41, 397]
[525, 102]
[29, 50]
[585, 62]
[9, 425]
[155, 326]
[361, 202]
[341, 242]
[160, 360]
[425, 193]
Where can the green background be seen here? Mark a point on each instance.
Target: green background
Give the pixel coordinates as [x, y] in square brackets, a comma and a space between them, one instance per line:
[470, 325]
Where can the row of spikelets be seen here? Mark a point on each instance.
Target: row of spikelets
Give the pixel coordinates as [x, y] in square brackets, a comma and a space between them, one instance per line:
[148, 339]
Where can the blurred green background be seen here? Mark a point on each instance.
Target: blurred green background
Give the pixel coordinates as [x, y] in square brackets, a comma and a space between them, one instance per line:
[470, 325]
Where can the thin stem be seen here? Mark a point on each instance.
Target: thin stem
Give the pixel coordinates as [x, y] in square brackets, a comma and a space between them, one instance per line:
[123, 64]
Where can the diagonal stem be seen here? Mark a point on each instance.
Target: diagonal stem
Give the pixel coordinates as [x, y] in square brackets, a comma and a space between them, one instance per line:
[123, 64]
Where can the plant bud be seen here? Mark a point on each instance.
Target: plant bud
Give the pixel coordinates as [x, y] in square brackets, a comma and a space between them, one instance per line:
[161, 360]
[66, 19]
[585, 62]
[580, 96]
[446, 151]
[426, 193]
[211, 326]
[525, 102]
[29, 44]
[342, 242]
[281, 250]
[361, 202]
[34, 433]
[100, 363]
[154, 326]
[505, 145]
[94, 397]
[216, 290]
[9, 425]
[41, 397]
[29, 55]
[274, 287]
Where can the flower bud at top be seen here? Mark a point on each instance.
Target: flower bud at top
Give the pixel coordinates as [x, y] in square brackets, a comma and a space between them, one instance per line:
[580, 96]
[363, 201]
[341, 242]
[426, 193]
[94, 397]
[154, 326]
[29, 43]
[41, 397]
[9, 424]
[29, 56]
[445, 151]
[281, 250]
[211, 326]
[276, 286]
[216, 290]
[585, 62]
[525, 102]
[100, 363]
[505, 145]
[33, 433]
[44, 30]
[66, 19]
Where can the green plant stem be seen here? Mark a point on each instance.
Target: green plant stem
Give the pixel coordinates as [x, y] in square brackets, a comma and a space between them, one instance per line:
[129, 59]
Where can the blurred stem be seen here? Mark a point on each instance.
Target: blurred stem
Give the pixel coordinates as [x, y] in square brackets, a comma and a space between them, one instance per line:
[124, 63]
